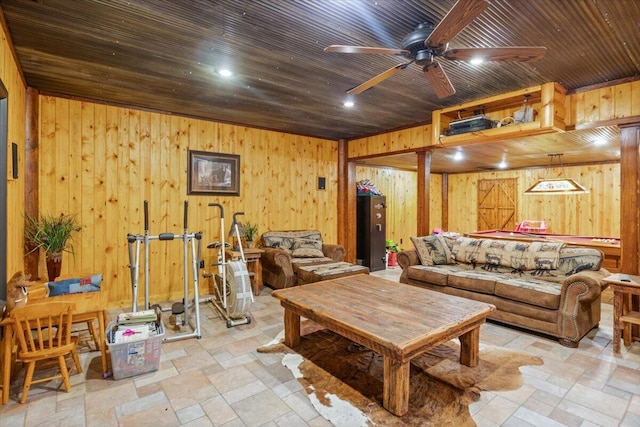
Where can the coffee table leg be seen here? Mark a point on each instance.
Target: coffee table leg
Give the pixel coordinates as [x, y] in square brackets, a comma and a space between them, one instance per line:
[395, 396]
[291, 328]
[469, 347]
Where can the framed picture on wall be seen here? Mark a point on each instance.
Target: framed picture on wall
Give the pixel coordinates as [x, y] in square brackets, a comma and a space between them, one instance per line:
[215, 174]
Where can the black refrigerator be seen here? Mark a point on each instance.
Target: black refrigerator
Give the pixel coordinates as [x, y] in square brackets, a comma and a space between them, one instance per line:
[371, 231]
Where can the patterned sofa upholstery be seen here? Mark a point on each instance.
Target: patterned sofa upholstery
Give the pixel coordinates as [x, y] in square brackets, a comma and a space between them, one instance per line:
[287, 250]
[545, 287]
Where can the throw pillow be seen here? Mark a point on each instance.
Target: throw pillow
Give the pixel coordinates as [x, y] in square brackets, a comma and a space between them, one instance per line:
[432, 250]
[307, 248]
[544, 255]
[75, 285]
[468, 250]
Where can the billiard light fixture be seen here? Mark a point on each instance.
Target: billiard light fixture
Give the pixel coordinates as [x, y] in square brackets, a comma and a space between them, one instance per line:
[556, 186]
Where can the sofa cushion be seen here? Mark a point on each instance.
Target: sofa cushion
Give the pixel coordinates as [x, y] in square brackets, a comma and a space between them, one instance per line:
[468, 250]
[306, 248]
[505, 253]
[432, 250]
[437, 275]
[474, 280]
[536, 292]
[576, 259]
[300, 262]
[544, 255]
[285, 239]
[334, 270]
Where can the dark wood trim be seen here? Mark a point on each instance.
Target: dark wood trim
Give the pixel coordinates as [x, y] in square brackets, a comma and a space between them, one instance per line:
[31, 166]
[346, 202]
[630, 199]
[424, 178]
[4, 187]
[352, 212]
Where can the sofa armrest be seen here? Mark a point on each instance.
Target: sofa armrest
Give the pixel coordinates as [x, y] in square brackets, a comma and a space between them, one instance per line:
[277, 269]
[335, 252]
[580, 304]
[405, 260]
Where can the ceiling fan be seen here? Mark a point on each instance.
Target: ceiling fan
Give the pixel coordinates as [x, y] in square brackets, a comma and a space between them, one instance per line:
[428, 42]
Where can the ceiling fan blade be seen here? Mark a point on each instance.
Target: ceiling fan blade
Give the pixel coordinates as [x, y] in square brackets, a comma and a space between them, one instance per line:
[364, 49]
[460, 15]
[514, 53]
[435, 75]
[377, 79]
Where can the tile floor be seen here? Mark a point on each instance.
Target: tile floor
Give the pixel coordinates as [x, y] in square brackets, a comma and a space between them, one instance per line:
[220, 380]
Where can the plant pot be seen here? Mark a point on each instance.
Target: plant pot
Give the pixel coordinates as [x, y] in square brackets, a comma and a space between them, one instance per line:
[249, 244]
[392, 261]
[54, 265]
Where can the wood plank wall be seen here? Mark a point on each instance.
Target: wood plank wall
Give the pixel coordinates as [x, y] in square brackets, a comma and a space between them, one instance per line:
[16, 87]
[602, 104]
[101, 162]
[587, 214]
[399, 187]
[129, 155]
[596, 213]
[391, 142]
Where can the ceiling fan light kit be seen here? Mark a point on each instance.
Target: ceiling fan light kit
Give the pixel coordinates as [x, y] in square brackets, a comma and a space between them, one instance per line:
[426, 43]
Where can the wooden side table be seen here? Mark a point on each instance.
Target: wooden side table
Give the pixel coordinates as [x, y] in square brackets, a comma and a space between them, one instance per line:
[623, 287]
[254, 266]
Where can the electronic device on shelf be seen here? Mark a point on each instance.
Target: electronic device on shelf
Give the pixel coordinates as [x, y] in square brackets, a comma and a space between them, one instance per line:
[471, 124]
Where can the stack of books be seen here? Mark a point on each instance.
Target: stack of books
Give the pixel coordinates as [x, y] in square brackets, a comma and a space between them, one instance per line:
[137, 317]
[135, 326]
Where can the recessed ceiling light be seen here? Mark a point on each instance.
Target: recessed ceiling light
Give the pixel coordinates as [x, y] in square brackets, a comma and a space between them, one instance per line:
[348, 104]
[502, 165]
[476, 61]
[600, 141]
[225, 73]
[458, 156]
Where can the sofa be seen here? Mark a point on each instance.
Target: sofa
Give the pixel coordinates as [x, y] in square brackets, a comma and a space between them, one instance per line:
[285, 251]
[541, 286]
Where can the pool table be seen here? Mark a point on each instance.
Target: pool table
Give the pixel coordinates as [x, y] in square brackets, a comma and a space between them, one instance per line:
[610, 247]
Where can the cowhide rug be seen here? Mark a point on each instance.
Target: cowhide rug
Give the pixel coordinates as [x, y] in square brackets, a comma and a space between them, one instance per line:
[344, 380]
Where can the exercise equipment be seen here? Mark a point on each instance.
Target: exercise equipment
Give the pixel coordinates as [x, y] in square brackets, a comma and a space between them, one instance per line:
[233, 294]
[179, 310]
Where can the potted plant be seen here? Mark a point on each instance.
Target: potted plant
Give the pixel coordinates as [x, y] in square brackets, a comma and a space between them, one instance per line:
[52, 234]
[250, 233]
[392, 253]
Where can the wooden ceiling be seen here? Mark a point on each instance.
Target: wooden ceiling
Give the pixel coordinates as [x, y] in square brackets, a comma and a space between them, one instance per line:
[164, 54]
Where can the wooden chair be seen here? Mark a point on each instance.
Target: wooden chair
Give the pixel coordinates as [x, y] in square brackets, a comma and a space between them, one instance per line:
[44, 332]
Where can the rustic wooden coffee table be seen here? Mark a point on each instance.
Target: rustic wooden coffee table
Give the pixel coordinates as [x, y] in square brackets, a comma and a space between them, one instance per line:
[395, 320]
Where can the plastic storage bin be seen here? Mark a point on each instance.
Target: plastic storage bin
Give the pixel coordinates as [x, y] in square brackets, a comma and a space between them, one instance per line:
[135, 357]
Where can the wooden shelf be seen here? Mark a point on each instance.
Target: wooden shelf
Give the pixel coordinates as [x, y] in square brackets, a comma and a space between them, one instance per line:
[547, 101]
[632, 317]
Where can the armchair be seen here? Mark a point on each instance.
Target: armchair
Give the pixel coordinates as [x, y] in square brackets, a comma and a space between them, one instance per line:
[285, 251]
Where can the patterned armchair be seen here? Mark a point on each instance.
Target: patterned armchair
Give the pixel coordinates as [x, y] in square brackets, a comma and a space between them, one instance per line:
[285, 251]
